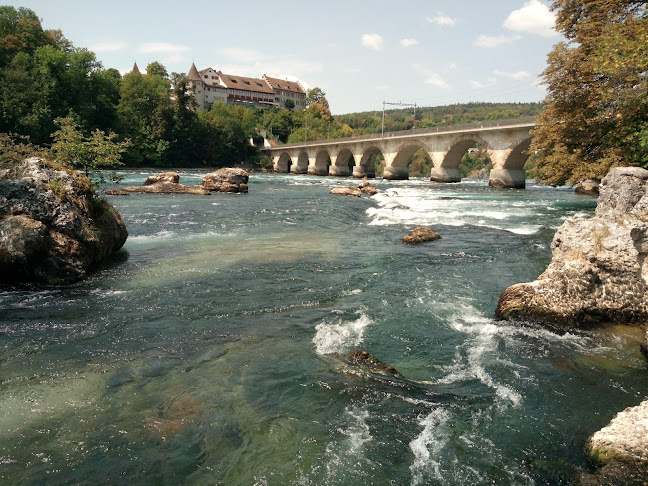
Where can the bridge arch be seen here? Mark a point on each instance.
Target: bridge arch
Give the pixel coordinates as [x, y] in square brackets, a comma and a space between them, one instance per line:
[398, 169]
[518, 156]
[283, 163]
[340, 163]
[301, 167]
[366, 166]
[320, 164]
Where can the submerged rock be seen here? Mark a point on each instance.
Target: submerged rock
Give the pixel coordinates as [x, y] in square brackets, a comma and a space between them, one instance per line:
[420, 235]
[599, 271]
[620, 450]
[362, 362]
[52, 227]
[346, 191]
[226, 180]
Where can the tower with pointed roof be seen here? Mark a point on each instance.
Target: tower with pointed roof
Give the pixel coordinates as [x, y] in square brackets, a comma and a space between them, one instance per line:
[135, 69]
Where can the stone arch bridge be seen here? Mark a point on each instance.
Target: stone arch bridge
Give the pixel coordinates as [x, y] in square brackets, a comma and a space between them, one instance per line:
[506, 141]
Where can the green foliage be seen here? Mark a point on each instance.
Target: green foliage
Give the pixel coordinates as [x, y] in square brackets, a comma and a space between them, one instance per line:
[597, 104]
[420, 164]
[157, 69]
[14, 149]
[474, 161]
[290, 104]
[72, 149]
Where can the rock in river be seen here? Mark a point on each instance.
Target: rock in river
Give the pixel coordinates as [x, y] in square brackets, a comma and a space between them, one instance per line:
[599, 270]
[421, 235]
[346, 191]
[620, 449]
[52, 227]
[226, 180]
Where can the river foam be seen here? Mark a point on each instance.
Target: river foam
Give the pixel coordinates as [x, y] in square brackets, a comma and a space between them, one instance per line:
[340, 335]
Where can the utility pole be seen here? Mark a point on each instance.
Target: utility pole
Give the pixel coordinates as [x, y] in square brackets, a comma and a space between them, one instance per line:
[395, 104]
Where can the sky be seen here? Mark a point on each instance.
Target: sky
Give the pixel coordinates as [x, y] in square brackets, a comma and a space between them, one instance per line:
[360, 53]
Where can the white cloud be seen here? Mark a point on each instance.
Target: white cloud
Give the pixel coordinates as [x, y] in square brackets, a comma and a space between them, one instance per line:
[163, 47]
[489, 42]
[383, 88]
[432, 78]
[442, 20]
[518, 75]
[241, 55]
[533, 18]
[408, 42]
[372, 41]
[479, 85]
[108, 46]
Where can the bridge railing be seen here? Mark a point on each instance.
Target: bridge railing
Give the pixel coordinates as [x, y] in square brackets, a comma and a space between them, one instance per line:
[504, 122]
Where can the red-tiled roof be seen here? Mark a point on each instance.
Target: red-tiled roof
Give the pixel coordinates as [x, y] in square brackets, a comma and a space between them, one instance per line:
[246, 84]
[284, 84]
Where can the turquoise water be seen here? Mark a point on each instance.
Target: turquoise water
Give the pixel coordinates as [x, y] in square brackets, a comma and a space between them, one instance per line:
[199, 355]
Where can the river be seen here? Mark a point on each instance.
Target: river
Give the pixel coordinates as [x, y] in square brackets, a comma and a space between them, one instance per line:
[199, 355]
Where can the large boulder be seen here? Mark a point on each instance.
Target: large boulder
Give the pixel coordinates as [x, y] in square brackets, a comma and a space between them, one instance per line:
[226, 180]
[52, 227]
[598, 272]
[172, 177]
[620, 449]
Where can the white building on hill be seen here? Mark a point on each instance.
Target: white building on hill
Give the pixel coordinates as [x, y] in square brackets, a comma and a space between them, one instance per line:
[209, 86]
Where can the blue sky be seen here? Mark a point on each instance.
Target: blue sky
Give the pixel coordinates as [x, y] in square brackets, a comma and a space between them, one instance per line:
[361, 53]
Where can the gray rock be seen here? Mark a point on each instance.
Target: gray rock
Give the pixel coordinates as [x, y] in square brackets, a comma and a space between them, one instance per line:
[52, 228]
[226, 180]
[620, 449]
[598, 271]
[172, 177]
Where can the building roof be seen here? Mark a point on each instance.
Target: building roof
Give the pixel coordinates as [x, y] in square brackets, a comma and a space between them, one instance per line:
[135, 69]
[193, 73]
[284, 84]
[246, 84]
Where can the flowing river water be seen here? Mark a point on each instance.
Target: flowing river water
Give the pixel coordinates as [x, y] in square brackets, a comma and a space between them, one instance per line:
[199, 356]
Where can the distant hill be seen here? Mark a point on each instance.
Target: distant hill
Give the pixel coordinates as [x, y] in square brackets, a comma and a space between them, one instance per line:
[404, 119]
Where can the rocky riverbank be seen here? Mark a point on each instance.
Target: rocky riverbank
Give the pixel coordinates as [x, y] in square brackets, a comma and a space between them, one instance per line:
[598, 271]
[52, 227]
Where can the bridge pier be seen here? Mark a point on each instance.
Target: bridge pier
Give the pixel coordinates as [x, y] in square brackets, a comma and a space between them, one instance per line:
[507, 178]
[340, 171]
[318, 171]
[278, 168]
[396, 173]
[360, 172]
[295, 169]
[445, 174]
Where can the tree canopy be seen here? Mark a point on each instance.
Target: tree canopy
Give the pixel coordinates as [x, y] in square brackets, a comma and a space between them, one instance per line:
[596, 114]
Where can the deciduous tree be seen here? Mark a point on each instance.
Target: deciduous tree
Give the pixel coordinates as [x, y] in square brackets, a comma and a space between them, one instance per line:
[596, 114]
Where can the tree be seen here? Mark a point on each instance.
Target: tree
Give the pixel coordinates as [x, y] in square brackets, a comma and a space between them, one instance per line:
[596, 114]
[71, 148]
[157, 69]
[290, 104]
[145, 116]
[315, 95]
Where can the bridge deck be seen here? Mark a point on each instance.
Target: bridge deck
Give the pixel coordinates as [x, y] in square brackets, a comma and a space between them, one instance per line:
[522, 122]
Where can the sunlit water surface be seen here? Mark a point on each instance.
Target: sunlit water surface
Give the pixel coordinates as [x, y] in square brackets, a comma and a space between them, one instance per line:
[199, 356]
